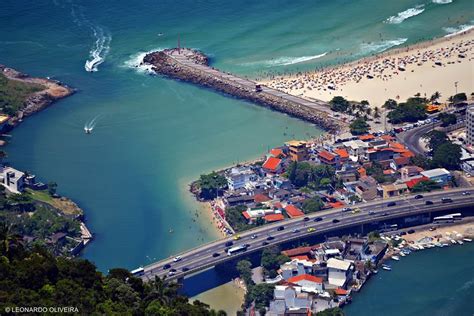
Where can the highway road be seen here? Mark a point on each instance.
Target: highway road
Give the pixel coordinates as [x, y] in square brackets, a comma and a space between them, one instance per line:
[208, 255]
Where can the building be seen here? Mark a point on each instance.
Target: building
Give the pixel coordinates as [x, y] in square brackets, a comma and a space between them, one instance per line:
[366, 188]
[12, 179]
[339, 272]
[393, 189]
[272, 165]
[289, 300]
[298, 150]
[238, 177]
[470, 125]
[438, 175]
[328, 158]
[292, 211]
[308, 283]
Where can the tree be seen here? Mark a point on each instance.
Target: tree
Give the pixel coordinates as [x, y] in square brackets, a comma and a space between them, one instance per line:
[435, 139]
[211, 184]
[447, 119]
[390, 104]
[359, 126]
[244, 267]
[339, 104]
[376, 112]
[421, 161]
[271, 260]
[411, 111]
[335, 311]
[425, 186]
[435, 96]
[313, 204]
[52, 187]
[448, 155]
[458, 98]
[235, 218]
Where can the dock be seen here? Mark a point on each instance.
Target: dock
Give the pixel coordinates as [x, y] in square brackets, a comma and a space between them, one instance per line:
[193, 66]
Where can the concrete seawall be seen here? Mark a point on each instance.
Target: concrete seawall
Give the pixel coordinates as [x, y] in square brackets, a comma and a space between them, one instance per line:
[192, 66]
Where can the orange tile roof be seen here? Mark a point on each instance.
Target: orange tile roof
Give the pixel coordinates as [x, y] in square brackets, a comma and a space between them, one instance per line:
[278, 205]
[367, 137]
[342, 153]
[340, 291]
[326, 155]
[293, 211]
[397, 145]
[388, 172]
[407, 153]
[277, 152]
[387, 137]
[411, 183]
[297, 251]
[337, 204]
[401, 160]
[300, 257]
[362, 171]
[259, 198]
[274, 217]
[246, 215]
[305, 277]
[272, 163]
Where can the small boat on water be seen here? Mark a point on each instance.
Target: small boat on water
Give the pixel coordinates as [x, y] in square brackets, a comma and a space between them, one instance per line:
[402, 254]
[452, 241]
[88, 130]
[460, 242]
[467, 239]
[386, 267]
[396, 258]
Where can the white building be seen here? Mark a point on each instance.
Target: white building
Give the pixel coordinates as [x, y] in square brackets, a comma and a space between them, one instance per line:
[239, 177]
[12, 179]
[357, 149]
[470, 125]
[339, 272]
[308, 283]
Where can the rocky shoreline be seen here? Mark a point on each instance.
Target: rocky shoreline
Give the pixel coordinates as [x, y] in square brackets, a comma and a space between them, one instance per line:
[54, 90]
[163, 63]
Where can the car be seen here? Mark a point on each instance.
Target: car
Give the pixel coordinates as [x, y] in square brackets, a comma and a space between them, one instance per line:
[446, 200]
[311, 229]
[371, 213]
[466, 193]
[265, 243]
[294, 231]
[236, 237]
[171, 273]
[173, 270]
[411, 231]
[185, 269]
[270, 238]
[346, 209]
[385, 214]
[432, 228]
[335, 221]
[306, 219]
[391, 204]
[166, 266]
[280, 228]
[215, 254]
[229, 243]
[428, 202]
[177, 258]
[253, 236]
[418, 196]
[403, 233]
[318, 219]
[355, 211]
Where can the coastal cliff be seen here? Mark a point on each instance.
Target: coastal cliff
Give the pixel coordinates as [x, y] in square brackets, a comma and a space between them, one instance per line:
[192, 66]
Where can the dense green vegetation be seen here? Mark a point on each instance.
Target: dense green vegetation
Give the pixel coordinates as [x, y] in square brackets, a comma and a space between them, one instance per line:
[39, 222]
[235, 218]
[313, 204]
[457, 98]
[359, 126]
[335, 311]
[425, 186]
[376, 172]
[410, 111]
[36, 278]
[271, 261]
[211, 184]
[315, 177]
[445, 153]
[13, 94]
[447, 119]
[339, 104]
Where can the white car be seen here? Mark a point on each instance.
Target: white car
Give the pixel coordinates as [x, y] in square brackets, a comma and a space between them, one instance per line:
[176, 259]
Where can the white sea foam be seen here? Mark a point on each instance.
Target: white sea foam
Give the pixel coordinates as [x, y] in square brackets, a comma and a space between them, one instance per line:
[402, 16]
[135, 62]
[442, 1]
[378, 47]
[458, 29]
[99, 50]
[285, 61]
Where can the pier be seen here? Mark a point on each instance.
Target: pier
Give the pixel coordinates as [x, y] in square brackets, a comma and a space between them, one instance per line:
[193, 66]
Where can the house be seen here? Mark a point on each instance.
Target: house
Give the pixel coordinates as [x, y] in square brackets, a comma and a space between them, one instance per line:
[438, 175]
[308, 283]
[366, 188]
[279, 194]
[393, 189]
[239, 177]
[12, 179]
[298, 150]
[409, 171]
[238, 199]
[272, 165]
[282, 183]
[339, 272]
[298, 251]
[274, 217]
[296, 267]
[328, 158]
[399, 162]
[342, 153]
[292, 211]
[289, 300]
[382, 154]
[277, 153]
[468, 166]
[356, 149]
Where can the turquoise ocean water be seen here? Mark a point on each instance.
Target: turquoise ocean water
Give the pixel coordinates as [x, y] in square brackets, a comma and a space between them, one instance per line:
[153, 136]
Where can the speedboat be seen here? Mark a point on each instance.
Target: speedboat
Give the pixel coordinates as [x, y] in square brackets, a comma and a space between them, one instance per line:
[396, 258]
[386, 267]
[87, 130]
[467, 239]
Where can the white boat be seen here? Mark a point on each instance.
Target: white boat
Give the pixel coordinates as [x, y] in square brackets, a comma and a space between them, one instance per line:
[396, 258]
[87, 130]
[467, 239]
[386, 267]
[402, 254]
[452, 241]
[460, 242]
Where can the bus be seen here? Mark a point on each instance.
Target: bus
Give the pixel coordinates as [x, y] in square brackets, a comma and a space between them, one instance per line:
[450, 218]
[138, 271]
[237, 249]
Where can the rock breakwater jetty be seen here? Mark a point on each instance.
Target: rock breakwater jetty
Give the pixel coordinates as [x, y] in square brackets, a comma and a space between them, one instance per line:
[193, 66]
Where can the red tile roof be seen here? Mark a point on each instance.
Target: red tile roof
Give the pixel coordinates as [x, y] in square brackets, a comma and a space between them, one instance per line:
[342, 153]
[403, 161]
[293, 211]
[411, 183]
[246, 215]
[272, 163]
[362, 171]
[305, 277]
[326, 155]
[274, 217]
[340, 291]
[277, 152]
[297, 251]
[336, 204]
[408, 153]
[259, 198]
[300, 257]
[367, 137]
[277, 205]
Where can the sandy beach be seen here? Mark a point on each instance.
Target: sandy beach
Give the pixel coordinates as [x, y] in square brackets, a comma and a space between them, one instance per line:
[438, 65]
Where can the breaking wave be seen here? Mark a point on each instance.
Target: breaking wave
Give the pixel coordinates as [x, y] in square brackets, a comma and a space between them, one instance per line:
[457, 29]
[135, 62]
[378, 47]
[99, 50]
[402, 16]
[442, 1]
[285, 61]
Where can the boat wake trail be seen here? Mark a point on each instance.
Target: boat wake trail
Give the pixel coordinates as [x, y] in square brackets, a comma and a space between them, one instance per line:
[286, 61]
[402, 16]
[89, 126]
[99, 50]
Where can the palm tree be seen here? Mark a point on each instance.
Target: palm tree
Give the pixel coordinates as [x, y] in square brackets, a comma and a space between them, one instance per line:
[376, 112]
[435, 96]
[9, 241]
